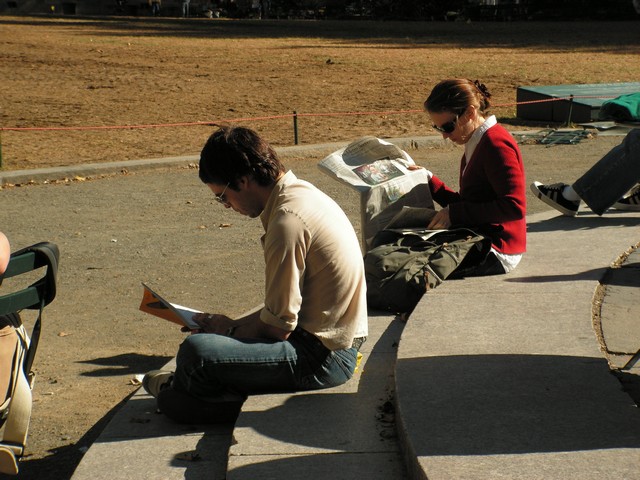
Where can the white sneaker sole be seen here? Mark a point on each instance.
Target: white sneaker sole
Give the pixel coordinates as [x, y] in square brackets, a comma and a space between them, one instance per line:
[628, 207]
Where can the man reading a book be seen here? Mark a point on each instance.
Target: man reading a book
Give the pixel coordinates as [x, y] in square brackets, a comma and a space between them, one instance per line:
[314, 319]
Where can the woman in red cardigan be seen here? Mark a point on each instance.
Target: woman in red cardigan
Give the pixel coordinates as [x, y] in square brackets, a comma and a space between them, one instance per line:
[491, 200]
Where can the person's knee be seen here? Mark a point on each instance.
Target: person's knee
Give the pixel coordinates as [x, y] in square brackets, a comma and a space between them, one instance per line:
[190, 359]
[204, 347]
[194, 347]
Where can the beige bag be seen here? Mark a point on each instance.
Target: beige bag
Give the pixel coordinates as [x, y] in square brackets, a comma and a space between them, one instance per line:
[8, 344]
[15, 392]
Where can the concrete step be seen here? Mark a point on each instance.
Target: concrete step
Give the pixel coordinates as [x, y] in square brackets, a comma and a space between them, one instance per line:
[503, 377]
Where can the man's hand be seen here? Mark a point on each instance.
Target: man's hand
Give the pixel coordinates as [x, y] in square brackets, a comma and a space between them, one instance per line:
[441, 220]
[249, 326]
[213, 323]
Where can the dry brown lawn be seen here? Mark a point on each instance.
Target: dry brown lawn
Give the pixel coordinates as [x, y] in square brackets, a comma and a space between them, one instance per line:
[83, 73]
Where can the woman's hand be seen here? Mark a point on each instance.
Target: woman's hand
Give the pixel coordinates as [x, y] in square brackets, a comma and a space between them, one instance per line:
[213, 323]
[441, 220]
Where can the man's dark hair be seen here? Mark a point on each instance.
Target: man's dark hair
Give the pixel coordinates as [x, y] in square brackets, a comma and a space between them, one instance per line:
[233, 152]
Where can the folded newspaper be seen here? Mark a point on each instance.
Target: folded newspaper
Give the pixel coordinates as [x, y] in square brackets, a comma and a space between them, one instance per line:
[392, 194]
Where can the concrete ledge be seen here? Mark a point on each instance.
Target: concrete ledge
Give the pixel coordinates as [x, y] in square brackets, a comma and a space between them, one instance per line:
[94, 169]
[139, 443]
[502, 377]
[341, 433]
[620, 313]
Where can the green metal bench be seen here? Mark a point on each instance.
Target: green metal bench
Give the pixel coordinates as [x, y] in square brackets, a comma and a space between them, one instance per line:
[15, 410]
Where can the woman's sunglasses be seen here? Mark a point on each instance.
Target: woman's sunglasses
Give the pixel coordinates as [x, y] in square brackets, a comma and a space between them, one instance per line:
[448, 127]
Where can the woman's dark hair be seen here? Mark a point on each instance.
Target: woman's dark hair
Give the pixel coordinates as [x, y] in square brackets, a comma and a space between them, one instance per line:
[233, 152]
[455, 95]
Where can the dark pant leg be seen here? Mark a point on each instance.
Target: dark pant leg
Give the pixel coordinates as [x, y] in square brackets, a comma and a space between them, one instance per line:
[612, 176]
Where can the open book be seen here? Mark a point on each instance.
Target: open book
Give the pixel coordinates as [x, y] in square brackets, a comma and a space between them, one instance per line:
[156, 305]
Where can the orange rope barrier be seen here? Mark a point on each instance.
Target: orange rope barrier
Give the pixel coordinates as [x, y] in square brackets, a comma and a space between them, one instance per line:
[160, 125]
[346, 114]
[270, 117]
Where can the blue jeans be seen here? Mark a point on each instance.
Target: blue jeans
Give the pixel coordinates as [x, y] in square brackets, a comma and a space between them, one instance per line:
[214, 368]
[612, 176]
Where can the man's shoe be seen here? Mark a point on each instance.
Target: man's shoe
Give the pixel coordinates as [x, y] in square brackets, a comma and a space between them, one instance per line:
[552, 195]
[156, 380]
[630, 202]
[183, 408]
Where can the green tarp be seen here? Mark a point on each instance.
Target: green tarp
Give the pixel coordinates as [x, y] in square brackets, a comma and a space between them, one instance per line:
[625, 108]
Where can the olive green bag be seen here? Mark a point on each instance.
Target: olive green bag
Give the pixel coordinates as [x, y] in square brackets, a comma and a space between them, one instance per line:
[403, 265]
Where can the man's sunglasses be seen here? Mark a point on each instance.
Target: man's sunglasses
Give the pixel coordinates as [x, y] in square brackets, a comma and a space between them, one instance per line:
[448, 127]
[221, 198]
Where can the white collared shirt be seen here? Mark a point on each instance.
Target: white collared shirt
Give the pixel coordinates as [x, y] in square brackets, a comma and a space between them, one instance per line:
[472, 143]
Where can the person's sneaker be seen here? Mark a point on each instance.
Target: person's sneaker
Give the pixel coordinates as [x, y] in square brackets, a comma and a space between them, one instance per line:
[156, 380]
[183, 408]
[552, 195]
[630, 202]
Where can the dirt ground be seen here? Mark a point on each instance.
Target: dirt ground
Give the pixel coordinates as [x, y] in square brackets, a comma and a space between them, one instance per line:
[163, 227]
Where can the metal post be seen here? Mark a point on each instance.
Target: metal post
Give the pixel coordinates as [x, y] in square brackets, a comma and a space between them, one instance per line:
[570, 110]
[295, 127]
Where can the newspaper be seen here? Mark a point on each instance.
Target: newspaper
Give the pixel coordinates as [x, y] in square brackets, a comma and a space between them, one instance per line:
[391, 193]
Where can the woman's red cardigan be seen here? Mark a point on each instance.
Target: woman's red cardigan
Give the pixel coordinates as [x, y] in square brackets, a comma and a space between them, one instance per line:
[492, 198]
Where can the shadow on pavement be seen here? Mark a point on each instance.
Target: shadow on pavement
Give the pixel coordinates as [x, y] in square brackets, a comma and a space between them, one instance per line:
[584, 220]
[62, 462]
[124, 364]
[516, 404]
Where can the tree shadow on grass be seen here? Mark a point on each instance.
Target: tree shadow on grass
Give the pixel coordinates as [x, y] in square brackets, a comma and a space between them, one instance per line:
[558, 36]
